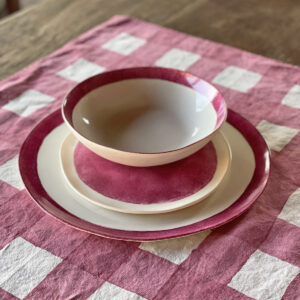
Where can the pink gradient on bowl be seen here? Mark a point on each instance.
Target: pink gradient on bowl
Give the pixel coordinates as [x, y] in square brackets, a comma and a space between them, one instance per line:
[177, 76]
[115, 114]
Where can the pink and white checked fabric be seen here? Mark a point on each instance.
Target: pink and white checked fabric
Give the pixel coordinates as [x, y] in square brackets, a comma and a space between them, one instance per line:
[255, 256]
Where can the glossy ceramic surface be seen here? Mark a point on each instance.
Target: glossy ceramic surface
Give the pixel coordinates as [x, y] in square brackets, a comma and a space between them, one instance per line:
[41, 172]
[161, 182]
[144, 116]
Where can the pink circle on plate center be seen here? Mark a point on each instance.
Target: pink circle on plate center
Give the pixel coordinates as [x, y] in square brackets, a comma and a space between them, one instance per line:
[146, 185]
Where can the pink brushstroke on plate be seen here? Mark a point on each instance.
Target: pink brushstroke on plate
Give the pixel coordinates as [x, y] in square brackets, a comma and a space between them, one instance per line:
[146, 185]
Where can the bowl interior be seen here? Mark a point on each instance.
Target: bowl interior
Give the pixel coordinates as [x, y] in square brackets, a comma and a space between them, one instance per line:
[146, 115]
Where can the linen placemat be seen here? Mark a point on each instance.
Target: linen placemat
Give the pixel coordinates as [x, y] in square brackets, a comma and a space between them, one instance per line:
[255, 256]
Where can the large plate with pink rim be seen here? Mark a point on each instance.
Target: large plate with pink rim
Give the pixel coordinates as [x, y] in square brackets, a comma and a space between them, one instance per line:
[41, 172]
[145, 190]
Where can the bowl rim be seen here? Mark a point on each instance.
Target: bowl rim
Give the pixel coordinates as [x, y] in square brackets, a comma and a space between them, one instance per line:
[73, 97]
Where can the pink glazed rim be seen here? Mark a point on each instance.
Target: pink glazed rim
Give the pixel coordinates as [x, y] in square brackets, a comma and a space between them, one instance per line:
[29, 174]
[172, 75]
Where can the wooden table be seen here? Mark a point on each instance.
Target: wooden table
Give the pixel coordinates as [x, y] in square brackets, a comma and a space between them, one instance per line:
[269, 28]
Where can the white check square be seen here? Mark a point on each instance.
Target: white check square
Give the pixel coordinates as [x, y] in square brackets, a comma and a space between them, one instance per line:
[113, 292]
[9, 173]
[28, 102]
[177, 59]
[291, 209]
[292, 98]
[276, 136]
[264, 277]
[23, 266]
[175, 250]
[238, 79]
[81, 70]
[124, 44]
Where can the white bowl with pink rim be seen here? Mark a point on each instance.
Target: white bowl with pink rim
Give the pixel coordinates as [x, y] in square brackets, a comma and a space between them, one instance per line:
[144, 116]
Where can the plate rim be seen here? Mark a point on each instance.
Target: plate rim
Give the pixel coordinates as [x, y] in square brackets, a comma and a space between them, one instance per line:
[28, 170]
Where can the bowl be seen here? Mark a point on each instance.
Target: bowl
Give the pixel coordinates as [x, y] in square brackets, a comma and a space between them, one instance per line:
[144, 116]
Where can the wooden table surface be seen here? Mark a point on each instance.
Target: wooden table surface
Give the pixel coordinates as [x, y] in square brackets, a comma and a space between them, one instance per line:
[269, 28]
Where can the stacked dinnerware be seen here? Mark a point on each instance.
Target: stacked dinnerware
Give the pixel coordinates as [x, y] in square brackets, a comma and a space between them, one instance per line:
[145, 154]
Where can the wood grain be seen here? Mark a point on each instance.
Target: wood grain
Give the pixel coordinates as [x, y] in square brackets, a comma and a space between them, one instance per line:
[269, 28]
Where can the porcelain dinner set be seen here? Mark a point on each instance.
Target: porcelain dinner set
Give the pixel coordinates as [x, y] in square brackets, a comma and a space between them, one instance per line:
[144, 154]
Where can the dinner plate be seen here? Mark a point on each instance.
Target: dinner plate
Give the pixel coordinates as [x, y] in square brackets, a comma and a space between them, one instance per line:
[41, 172]
[145, 190]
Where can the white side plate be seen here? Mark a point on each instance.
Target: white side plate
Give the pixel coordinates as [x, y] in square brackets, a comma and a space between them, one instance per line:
[67, 162]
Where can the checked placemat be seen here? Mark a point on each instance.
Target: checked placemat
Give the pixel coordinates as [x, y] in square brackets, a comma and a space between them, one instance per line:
[255, 256]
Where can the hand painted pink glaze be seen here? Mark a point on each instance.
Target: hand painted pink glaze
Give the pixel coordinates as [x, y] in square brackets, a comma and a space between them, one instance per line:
[146, 185]
[28, 170]
[220, 108]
